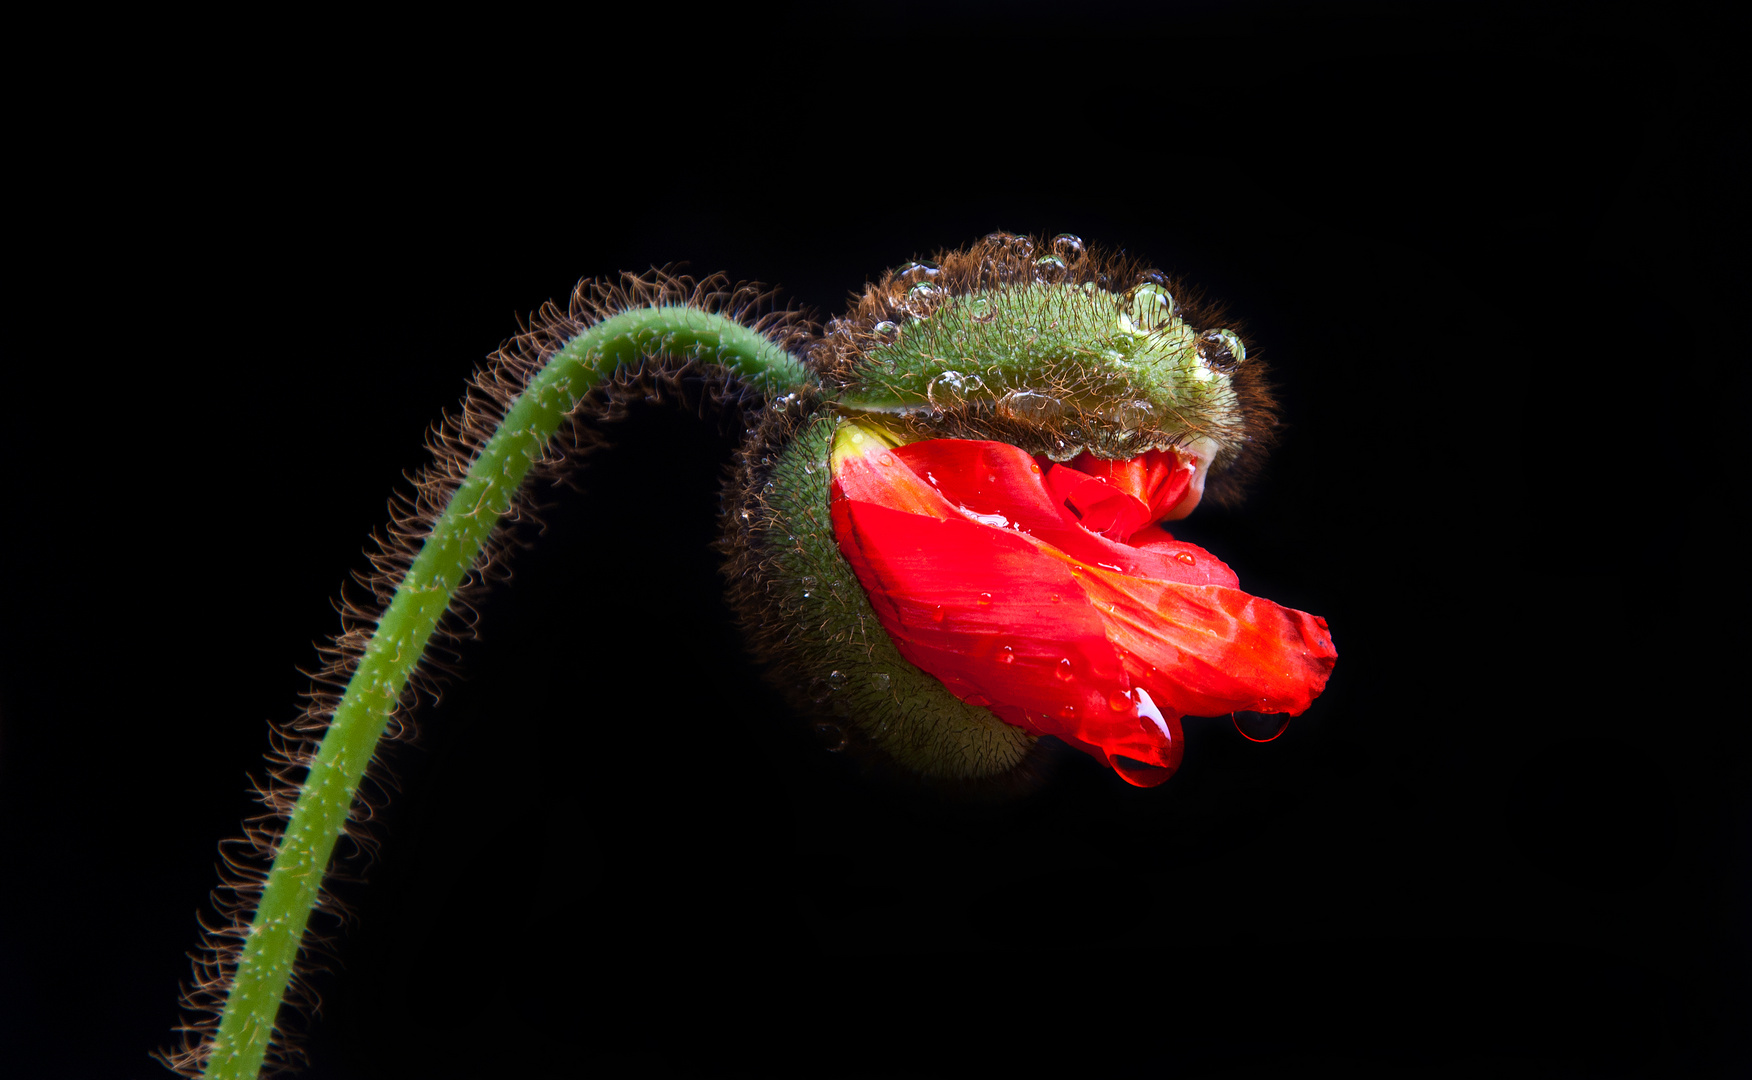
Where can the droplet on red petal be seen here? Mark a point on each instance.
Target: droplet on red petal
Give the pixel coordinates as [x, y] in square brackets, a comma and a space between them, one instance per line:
[1069, 712]
[937, 613]
[1260, 727]
[1119, 701]
[1185, 557]
[1006, 655]
[1063, 670]
[985, 597]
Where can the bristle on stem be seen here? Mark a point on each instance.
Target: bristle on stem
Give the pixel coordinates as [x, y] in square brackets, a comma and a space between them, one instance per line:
[253, 974]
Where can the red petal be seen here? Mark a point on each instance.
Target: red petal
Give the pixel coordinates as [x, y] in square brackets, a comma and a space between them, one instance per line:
[1208, 650]
[1118, 498]
[985, 611]
[985, 578]
[996, 480]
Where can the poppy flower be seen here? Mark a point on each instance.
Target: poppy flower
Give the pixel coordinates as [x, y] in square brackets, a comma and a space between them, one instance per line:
[1050, 594]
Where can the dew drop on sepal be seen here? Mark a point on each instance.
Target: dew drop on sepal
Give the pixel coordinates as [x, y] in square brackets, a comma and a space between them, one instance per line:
[922, 299]
[1029, 405]
[1221, 350]
[914, 272]
[1049, 268]
[887, 332]
[1134, 414]
[1148, 308]
[1068, 247]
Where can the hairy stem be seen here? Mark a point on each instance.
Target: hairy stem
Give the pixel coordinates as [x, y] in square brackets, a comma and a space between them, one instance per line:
[265, 964]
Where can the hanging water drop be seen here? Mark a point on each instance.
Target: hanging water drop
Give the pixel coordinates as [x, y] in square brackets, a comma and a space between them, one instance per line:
[1259, 727]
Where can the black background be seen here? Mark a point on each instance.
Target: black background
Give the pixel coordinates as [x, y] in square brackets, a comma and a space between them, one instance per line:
[1490, 254]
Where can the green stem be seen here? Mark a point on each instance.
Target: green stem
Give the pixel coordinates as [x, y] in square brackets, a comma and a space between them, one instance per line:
[265, 964]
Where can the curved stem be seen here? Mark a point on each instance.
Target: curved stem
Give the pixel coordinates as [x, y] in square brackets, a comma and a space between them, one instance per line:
[265, 964]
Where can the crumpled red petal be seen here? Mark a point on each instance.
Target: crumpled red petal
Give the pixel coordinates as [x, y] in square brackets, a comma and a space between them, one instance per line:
[1119, 498]
[984, 577]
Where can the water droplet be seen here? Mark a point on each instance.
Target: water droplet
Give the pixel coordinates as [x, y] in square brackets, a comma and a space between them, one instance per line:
[1134, 414]
[1151, 276]
[1148, 308]
[914, 272]
[937, 613]
[1068, 247]
[1260, 727]
[1017, 245]
[922, 298]
[981, 309]
[886, 331]
[985, 597]
[832, 736]
[1068, 712]
[886, 459]
[948, 385]
[1221, 350]
[1185, 557]
[1063, 671]
[1049, 268]
[1056, 598]
[808, 584]
[977, 699]
[836, 680]
[1007, 655]
[1030, 405]
[857, 436]
[1119, 701]
[880, 680]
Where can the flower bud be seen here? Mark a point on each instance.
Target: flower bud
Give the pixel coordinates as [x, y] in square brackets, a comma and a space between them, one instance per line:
[954, 547]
